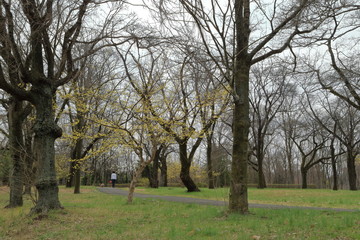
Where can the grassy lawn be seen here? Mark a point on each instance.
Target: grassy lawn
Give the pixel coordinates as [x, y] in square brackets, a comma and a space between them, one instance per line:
[93, 215]
[289, 197]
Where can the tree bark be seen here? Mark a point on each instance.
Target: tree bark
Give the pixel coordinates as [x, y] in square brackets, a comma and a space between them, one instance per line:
[163, 171]
[209, 163]
[154, 180]
[46, 131]
[261, 176]
[304, 178]
[77, 164]
[29, 162]
[238, 199]
[260, 158]
[333, 164]
[185, 169]
[17, 150]
[134, 181]
[70, 177]
[351, 170]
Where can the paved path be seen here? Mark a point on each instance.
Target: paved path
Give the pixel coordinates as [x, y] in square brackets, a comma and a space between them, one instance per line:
[117, 191]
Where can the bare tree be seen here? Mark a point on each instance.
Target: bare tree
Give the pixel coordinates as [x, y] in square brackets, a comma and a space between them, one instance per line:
[267, 95]
[224, 29]
[37, 41]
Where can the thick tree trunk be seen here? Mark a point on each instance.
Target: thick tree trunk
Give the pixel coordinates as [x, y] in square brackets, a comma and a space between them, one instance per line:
[185, 169]
[351, 170]
[209, 163]
[17, 149]
[46, 131]
[238, 199]
[303, 178]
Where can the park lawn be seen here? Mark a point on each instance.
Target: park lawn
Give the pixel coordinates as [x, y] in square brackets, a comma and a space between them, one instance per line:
[279, 196]
[94, 215]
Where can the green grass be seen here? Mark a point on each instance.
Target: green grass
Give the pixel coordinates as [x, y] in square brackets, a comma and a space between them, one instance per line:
[289, 197]
[93, 215]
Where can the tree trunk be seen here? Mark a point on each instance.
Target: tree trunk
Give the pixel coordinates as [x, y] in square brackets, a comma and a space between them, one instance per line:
[77, 152]
[303, 178]
[77, 178]
[16, 148]
[163, 171]
[333, 165]
[261, 176]
[351, 170]
[238, 199]
[77, 164]
[154, 171]
[209, 163]
[185, 169]
[29, 163]
[133, 182]
[46, 131]
[70, 177]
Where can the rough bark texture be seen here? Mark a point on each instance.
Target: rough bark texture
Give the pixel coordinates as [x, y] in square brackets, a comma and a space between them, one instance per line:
[29, 162]
[17, 150]
[238, 199]
[46, 131]
[185, 169]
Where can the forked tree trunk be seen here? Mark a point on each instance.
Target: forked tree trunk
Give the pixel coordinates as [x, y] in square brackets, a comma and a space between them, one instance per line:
[46, 132]
[185, 169]
[134, 181]
[154, 170]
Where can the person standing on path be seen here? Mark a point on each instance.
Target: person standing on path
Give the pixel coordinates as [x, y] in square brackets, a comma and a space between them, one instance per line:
[113, 178]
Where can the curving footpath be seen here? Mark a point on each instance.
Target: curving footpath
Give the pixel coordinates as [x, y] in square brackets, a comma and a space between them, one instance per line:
[117, 191]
